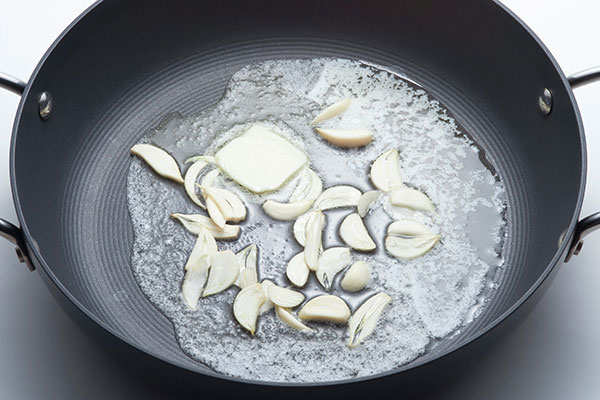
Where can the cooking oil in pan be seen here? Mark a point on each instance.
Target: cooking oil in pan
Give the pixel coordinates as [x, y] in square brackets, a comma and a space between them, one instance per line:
[433, 296]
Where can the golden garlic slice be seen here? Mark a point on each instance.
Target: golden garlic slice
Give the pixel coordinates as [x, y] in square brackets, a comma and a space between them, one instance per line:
[297, 271]
[224, 270]
[286, 211]
[355, 234]
[325, 308]
[247, 304]
[190, 181]
[231, 206]
[332, 261]
[313, 244]
[195, 223]
[332, 111]
[357, 277]
[346, 138]
[365, 201]
[248, 266]
[411, 198]
[408, 239]
[159, 160]
[194, 280]
[309, 186]
[338, 196]
[286, 316]
[385, 172]
[364, 320]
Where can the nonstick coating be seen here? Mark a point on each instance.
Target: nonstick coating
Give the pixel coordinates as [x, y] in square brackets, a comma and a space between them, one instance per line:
[123, 67]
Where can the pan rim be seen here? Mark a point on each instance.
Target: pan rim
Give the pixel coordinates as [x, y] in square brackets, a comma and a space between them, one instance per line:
[414, 365]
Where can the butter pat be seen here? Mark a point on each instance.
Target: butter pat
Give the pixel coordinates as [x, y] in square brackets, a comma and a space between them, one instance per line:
[260, 160]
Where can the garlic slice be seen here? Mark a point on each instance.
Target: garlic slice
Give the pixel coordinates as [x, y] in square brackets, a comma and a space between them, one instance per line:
[215, 212]
[231, 206]
[332, 261]
[224, 271]
[286, 211]
[268, 304]
[159, 160]
[355, 234]
[385, 173]
[209, 178]
[205, 245]
[247, 304]
[283, 297]
[207, 159]
[189, 182]
[248, 266]
[365, 201]
[408, 239]
[338, 196]
[357, 277]
[194, 280]
[325, 308]
[411, 198]
[332, 111]
[364, 320]
[286, 316]
[195, 223]
[297, 271]
[309, 186]
[314, 233]
[299, 228]
[346, 138]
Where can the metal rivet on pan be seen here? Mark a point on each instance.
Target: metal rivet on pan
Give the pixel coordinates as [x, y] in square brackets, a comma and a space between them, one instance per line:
[545, 101]
[45, 104]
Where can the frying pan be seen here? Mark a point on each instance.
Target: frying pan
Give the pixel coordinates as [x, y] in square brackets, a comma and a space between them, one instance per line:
[120, 67]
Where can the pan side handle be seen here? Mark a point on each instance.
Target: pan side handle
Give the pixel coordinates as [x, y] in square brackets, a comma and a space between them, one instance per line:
[591, 223]
[7, 230]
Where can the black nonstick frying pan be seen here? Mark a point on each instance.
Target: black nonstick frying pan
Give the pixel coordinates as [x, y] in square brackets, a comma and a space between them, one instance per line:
[122, 66]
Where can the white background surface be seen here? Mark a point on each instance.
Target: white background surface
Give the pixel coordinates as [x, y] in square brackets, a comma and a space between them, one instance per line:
[555, 354]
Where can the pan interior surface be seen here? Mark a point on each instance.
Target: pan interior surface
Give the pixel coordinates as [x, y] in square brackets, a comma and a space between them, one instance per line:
[112, 84]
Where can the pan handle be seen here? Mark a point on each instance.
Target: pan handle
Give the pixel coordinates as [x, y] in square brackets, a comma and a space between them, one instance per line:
[7, 230]
[592, 222]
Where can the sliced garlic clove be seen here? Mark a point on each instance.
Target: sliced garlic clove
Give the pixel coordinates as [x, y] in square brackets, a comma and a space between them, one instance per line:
[332, 111]
[309, 186]
[248, 266]
[286, 211]
[268, 304]
[338, 196]
[196, 222]
[247, 304]
[231, 206]
[159, 160]
[346, 138]
[190, 181]
[299, 228]
[325, 308]
[357, 277]
[355, 234]
[207, 159]
[283, 297]
[365, 201]
[215, 212]
[314, 233]
[205, 246]
[286, 316]
[224, 271]
[297, 271]
[364, 320]
[411, 198]
[385, 172]
[332, 261]
[408, 239]
[209, 178]
[194, 281]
